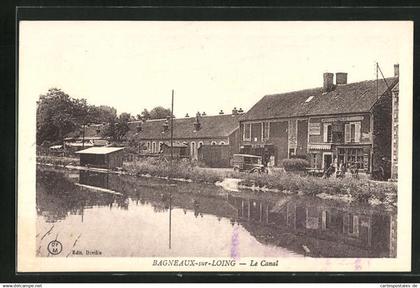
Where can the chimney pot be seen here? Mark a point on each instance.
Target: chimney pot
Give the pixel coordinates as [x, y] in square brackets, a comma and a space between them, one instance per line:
[328, 82]
[240, 111]
[396, 70]
[186, 115]
[340, 78]
[221, 112]
[203, 114]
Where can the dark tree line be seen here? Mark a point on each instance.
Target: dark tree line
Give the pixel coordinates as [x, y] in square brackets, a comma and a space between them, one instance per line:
[58, 114]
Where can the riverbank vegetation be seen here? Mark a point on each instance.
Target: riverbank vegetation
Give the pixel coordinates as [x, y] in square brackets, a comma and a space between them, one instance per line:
[278, 181]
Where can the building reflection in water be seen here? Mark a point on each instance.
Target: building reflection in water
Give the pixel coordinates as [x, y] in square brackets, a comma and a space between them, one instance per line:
[359, 228]
[326, 229]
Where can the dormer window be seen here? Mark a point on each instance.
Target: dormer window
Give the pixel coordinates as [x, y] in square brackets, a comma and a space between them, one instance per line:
[309, 99]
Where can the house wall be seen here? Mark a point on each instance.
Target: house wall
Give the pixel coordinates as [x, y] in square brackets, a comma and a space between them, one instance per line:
[115, 159]
[95, 160]
[382, 135]
[215, 155]
[279, 138]
[394, 143]
[302, 137]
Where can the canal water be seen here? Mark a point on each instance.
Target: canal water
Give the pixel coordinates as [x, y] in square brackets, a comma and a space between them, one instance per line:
[99, 214]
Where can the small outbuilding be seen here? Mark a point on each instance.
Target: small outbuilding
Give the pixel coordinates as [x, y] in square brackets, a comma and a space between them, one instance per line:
[180, 150]
[102, 157]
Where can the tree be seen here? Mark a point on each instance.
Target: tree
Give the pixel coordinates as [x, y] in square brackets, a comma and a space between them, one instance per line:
[145, 114]
[58, 114]
[159, 113]
[101, 114]
[117, 128]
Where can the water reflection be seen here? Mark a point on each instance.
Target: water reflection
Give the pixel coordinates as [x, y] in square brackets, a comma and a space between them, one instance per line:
[198, 220]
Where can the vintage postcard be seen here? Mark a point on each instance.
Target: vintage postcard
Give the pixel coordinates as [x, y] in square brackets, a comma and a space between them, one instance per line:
[214, 146]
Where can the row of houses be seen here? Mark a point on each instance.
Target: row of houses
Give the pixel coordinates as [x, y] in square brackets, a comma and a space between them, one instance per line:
[355, 124]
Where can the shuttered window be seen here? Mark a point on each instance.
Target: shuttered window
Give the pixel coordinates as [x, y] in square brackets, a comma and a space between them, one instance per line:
[347, 133]
[247, 132]
[352, 132]
[265, 130]
[327, 132]
[357, 132]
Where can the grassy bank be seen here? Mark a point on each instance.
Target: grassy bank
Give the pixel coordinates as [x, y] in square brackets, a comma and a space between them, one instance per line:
[360, 190]
[282, 182]
[56, 160]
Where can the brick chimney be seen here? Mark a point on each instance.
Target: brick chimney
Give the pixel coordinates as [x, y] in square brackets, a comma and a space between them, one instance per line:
[186, 115]
[240, 111]
[340, 78]
[221, 112]
[197, 124]
[328, 82]
[234, 111]
[165, 125]
[396, 70]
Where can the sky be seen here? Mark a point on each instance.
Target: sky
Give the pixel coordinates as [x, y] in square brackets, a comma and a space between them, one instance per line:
[133, 65]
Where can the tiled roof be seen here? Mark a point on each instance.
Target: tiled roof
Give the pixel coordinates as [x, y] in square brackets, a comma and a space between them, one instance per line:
[349, 98]
[210, 127]
[91, 132]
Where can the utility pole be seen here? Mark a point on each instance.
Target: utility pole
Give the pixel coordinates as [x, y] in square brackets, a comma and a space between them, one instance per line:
[83, 137]
[377, 81]
[170, 219]
[172, 128]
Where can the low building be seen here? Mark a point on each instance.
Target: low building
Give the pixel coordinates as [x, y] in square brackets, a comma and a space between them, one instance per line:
[150, 136]
[102, 157]
[341, 122]
[179, 150]
[86, 136]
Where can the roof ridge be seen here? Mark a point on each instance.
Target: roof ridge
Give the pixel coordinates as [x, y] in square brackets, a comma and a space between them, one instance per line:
[316, 88]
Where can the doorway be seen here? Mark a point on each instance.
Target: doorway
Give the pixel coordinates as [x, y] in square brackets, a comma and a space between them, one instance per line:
[326, 159]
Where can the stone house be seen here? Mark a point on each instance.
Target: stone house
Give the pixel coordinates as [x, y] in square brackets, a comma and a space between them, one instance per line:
[152, 137]
[344, 122]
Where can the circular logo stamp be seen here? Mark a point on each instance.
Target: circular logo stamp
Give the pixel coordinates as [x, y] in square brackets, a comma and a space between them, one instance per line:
[55, 247]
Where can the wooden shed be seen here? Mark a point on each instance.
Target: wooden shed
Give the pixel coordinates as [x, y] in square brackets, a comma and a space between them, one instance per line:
[180, 150]
[102, 157]
[215, 156]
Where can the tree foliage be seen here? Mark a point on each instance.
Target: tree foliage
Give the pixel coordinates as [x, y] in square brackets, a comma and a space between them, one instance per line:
[156, 113]
[58, 114]
[117, 127]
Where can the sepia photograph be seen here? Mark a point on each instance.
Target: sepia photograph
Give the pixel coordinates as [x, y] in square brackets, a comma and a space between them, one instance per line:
[214, 146]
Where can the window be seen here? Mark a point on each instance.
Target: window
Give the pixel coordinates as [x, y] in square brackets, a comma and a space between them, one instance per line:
[148, 146]
[200, 144]
[193, 150]
[352, 156]
[352, 132]
[213, 143]
[222, 143]
[247, 132]
[327, 132]
[314, 160]
[153, 147]
[292, 152]
[265, 130]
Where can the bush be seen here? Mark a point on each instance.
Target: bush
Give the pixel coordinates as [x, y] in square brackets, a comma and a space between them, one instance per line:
[295, 164]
